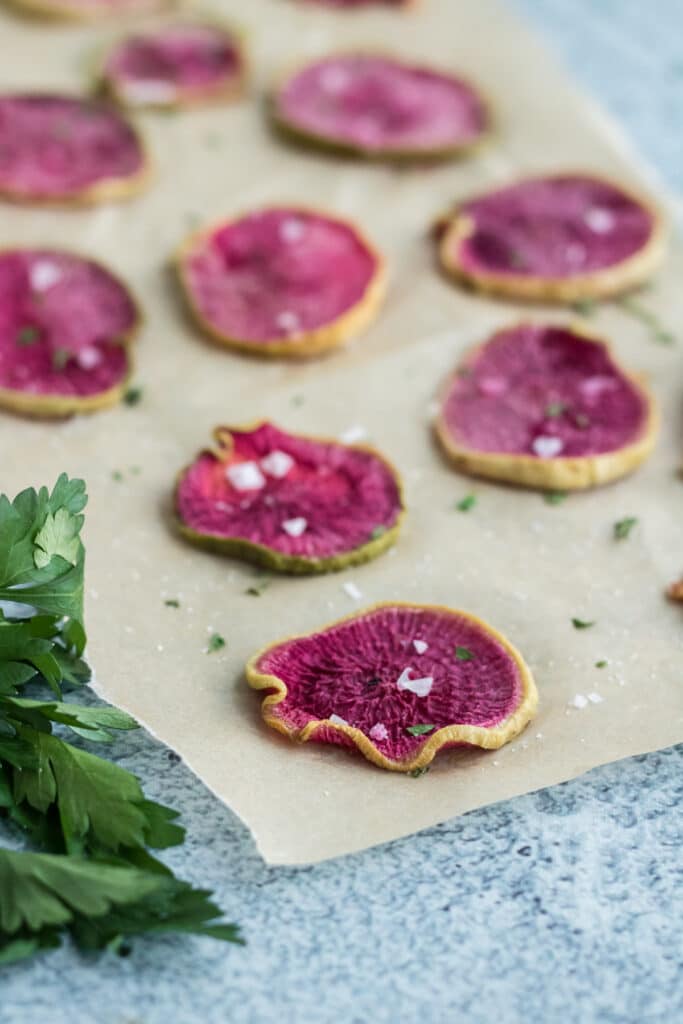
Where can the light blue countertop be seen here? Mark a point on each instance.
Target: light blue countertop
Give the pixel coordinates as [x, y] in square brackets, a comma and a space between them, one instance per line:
[560, 906]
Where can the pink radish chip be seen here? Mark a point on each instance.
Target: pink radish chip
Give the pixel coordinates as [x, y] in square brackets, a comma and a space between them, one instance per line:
[57, 148]
[562, 413]
[291, 502]
[563, 237]
[382, 107]
[175, 65]
[282, 281]
[349, 684]
[65, 324]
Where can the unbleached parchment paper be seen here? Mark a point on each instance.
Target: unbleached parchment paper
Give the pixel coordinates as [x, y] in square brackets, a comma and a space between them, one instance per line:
[523, 565]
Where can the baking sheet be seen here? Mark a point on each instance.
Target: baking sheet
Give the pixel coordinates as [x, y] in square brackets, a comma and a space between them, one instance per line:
[525, 566]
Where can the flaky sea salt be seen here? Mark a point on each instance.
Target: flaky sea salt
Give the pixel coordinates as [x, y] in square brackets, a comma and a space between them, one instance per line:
[352, 435]
[288, 321]
[595, 698]
[88, 358]
[420, 687]
[420, 646]
[295, 527]
[292, 230]
[43, 275]
[599, 220]
[352, 591]
[547, 447]
[379, 732]
[277, 464]
[245, 476]
[337, 720]
[578, 701]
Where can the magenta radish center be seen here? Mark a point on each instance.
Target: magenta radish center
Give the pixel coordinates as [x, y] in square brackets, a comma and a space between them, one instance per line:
[398, 674]
[544, 392]
[55, 147]
[278, 274]
[61, 322]
[174, 63]
[551, 228]
[379, 105]
[299, 497]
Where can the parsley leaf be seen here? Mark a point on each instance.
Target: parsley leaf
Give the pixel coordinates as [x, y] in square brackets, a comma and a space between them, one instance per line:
[555, 497]
[216, 642]
[133, 396]
[601, 664]
[555, 409]
[463, 654]
[582, 624]
[420, 730]
[623, 527]
[27, 335]
[172, 602]
[468, 502]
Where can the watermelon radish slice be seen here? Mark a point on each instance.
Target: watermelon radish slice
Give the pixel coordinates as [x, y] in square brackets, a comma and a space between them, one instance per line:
[546, 406]
[399, 682]
[65, 328]
[89, 10]
[380, 107]
[293, 503]
[282, 281]
[56, 148]
[174, 66]
[560, 238]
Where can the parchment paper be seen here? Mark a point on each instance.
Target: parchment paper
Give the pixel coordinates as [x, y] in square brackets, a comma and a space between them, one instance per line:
[523, 565]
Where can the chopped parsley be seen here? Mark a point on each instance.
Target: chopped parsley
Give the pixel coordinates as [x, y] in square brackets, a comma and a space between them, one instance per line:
[420, 730]
[582, 624]
[466, 503]
[133, 396]
[555, 409]
[623, 527]
[297, 400]
[417, 772]
[378, 532]
[601, 664]
[585, 307]
[60, 357]
[172, 602]
[582, 420]
[216, 642]
[555, 497]
[256, 589]
[117, 475]
[27, 336]
[463, 654]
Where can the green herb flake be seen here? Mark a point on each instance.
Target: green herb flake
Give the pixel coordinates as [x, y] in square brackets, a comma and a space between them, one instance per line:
[585, 307]
[297, 401]
[417, 772]
[216, 643]
[582, 421]
[622, 528]
[601, 664]
[256, 589]
[133, 396]
[420, 730]
[463, 654]
[378, 532]
[117, 475]
[172, 602]
[466, 503]
[555, 497]
[60, 357]
[27, 336]
[582, 624]
[555, 409]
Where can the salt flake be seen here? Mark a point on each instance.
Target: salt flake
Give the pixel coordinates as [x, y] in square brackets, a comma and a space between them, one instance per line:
[277, 464]
[420, 687]
[547, 447]
[353, 434]
[420, 646]
[595, 698]
[379, 732]
[288, 321]
[43, 275]
[599, 220]
[292, 230]
[352, 590]
[89, 358]
[295, 527]
[337, 720]
[578, 701]
[245, 476]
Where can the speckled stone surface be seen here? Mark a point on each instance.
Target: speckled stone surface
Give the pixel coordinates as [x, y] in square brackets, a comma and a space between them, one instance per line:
[560, 906]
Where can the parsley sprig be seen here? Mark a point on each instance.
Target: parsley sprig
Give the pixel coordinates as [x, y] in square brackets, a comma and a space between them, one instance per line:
[90, 872]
